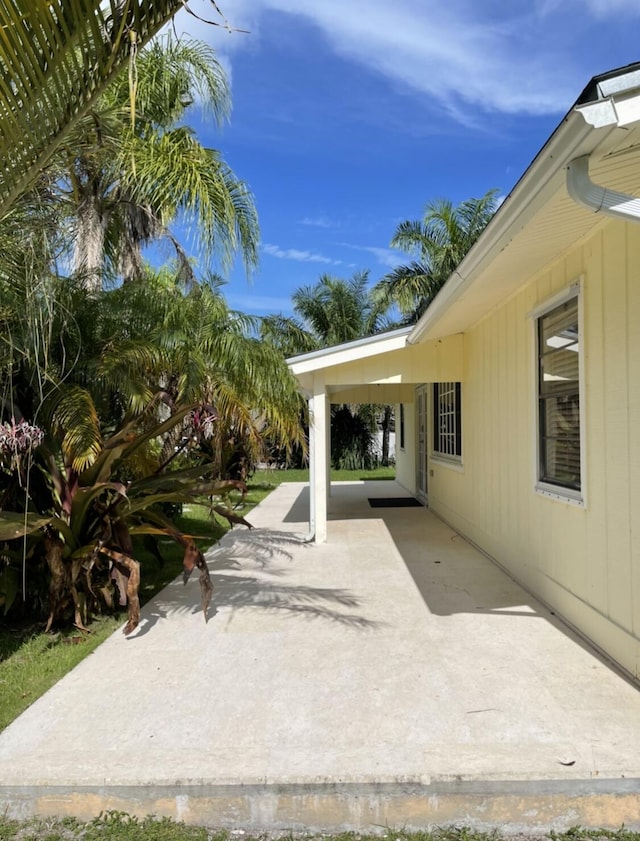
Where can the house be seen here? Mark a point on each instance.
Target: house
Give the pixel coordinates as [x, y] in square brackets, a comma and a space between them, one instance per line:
[518, 392]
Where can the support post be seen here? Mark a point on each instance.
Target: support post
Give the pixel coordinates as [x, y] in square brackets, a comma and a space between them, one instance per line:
[318, 462]
[328, 443]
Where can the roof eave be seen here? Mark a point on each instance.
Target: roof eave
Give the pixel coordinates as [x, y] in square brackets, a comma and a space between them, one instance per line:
[348, 351]
[531, 191]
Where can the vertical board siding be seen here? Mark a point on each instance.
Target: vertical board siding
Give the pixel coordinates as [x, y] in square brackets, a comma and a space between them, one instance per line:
[616, 432]
[633, 391]
[596, 526]
[584, 561]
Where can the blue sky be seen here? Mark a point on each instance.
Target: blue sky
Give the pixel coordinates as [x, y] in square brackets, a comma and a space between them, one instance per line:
[350, 115]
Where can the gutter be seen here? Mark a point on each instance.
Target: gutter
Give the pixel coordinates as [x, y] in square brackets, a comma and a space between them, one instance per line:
[352, 345]
[620, 108]
[599, 199]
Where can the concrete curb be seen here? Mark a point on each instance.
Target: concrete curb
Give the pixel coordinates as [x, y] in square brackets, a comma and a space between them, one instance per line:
[516, 806]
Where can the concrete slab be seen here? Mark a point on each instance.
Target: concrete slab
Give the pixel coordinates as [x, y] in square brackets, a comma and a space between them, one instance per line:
[393, 675]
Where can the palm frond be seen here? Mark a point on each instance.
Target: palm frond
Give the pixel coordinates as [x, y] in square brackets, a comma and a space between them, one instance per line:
[175, 72]
[439, 241]
[75, 421]
[56, 57]
[287, 334]
[404, 286]
[174, 173]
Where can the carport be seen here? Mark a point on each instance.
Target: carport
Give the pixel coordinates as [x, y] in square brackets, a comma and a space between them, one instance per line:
[384, 369]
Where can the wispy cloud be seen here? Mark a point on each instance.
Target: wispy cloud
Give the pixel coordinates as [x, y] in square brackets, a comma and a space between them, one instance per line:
[511, 58]
[387, 257]
[298, 255]
[603, 8]
[318, 222]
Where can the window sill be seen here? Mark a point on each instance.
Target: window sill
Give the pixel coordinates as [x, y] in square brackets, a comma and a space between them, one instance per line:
[560, 494]
[452, 463]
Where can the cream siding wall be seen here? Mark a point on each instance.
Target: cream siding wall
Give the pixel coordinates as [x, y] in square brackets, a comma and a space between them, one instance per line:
[441, 359]
[583, 561]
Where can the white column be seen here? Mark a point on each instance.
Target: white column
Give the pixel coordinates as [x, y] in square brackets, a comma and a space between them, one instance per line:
[318, 460]
[328, 443]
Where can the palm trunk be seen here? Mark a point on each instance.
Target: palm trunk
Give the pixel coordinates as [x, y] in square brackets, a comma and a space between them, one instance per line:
[88, 248]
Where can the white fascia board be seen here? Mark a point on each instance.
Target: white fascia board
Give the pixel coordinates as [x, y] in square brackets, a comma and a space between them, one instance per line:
[530, 193]
[349, 351]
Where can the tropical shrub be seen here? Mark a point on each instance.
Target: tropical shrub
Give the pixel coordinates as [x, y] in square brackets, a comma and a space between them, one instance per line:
[352, 441]
[80, 514]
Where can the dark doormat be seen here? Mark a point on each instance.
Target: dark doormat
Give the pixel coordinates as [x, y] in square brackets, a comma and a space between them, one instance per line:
[394, 502]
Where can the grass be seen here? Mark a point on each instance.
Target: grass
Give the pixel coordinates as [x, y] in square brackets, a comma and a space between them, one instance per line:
[31, 662]
[276, 477]
[117, 826]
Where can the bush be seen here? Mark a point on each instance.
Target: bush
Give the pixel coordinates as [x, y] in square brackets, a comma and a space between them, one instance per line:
[352, 442]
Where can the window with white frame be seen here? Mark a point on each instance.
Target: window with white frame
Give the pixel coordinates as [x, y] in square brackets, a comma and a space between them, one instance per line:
[447, 428]
[558, 340]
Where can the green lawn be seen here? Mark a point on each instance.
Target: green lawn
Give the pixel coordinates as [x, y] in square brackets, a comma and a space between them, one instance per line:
[276, 477]
[116, 826]
[32, 662]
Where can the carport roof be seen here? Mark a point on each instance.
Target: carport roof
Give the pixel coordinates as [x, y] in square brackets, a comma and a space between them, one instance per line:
[316, 360]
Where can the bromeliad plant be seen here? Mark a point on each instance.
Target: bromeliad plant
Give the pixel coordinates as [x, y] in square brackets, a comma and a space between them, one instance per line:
[85, 497]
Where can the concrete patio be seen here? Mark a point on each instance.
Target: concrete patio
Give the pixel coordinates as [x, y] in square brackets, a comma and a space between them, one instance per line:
[392, 676]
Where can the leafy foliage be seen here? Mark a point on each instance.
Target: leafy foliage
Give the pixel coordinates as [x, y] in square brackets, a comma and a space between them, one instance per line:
[126, 173]
[439, 241]
[352, 442]
[59, 57]
[144, 393]
[337, 310]
[152, 418]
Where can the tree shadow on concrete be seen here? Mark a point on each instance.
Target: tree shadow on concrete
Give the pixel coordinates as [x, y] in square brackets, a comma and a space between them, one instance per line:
[269, 552]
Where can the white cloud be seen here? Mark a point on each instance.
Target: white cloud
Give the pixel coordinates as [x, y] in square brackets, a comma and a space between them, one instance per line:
[299, 256]
[318, 222]
[511, 58]
[387, 257]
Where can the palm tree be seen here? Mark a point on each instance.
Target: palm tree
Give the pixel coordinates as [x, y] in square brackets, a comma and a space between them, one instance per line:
[129, 380]
[130, 168]
[150, 337]
[58, 59]
[330, 312]
[439, 241]
[335, 310]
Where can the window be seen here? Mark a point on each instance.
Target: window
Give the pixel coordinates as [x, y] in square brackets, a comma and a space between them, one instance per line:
[402, 426]
[447, 437]
[559, 398]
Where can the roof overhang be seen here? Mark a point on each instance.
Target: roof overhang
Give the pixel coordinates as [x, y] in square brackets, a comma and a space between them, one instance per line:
[318, 360]
[539, 221]
[379, 369]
